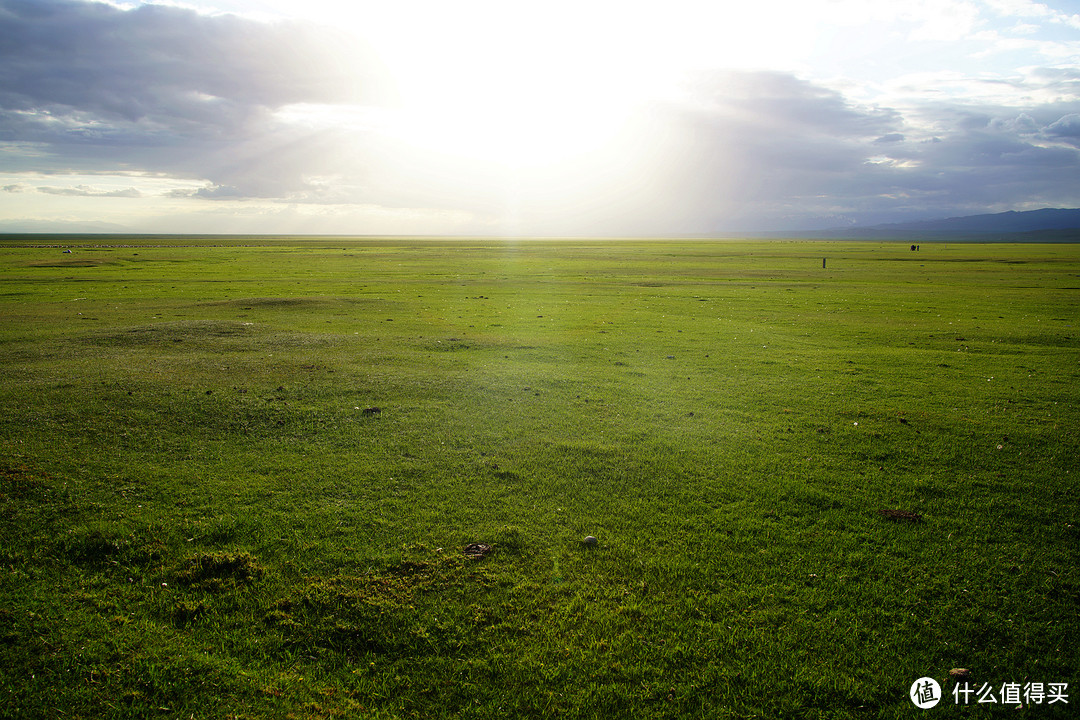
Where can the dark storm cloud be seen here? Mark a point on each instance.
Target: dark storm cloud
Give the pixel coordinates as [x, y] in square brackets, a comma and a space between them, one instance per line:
[1067, 127]
[164, 88]
[158, 61]
[787, 103]
[748, 150]
[765, 150]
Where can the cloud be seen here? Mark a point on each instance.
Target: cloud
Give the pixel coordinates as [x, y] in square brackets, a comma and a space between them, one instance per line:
[158, 61]
[244, 108]
[1066, 127]
[1022, 124]
[751, 149]
[219, 191]
[166, 89]
[1030, 9]
[87, 191]
[944, 21]
[763, 149]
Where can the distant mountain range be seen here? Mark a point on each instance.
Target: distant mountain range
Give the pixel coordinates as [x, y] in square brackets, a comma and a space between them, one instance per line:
[60, 226]
[1046, 225]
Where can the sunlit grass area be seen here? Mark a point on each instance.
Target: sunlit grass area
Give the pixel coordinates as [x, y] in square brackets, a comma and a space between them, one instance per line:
[239, 481]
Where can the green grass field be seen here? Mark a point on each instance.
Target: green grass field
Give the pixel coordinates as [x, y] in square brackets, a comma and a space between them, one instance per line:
[237, 478]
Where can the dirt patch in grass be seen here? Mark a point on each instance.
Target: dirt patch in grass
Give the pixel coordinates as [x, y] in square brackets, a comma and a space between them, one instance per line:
[476, 551]
[172, 333]
[410, 608]
[220, 571]
[900, 515]
[290, 302]
[27, 493]
[1047, 339]
[207, 336]
[72, 263]
[104, 548]
[18, 482]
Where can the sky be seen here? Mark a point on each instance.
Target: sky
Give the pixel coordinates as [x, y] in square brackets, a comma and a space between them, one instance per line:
[552, 118]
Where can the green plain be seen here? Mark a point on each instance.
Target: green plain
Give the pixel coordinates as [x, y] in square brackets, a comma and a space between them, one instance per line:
[237, 477]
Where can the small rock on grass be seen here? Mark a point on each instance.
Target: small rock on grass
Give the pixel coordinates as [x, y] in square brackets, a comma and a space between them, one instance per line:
[590, 541]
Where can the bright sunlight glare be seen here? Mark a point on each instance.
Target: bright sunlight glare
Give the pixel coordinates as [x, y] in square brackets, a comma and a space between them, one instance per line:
[507, 85]
[540, 85]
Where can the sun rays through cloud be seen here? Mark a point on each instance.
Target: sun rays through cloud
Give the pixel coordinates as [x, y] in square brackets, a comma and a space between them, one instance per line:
[533, 118]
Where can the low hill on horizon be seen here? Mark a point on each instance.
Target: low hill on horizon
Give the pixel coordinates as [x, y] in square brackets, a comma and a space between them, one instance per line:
[1045, 225]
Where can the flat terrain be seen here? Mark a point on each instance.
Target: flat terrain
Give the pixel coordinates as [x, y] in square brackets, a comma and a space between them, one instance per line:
[238, 478]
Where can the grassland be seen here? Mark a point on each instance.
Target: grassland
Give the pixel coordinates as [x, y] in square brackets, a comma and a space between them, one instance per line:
[238, 481]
